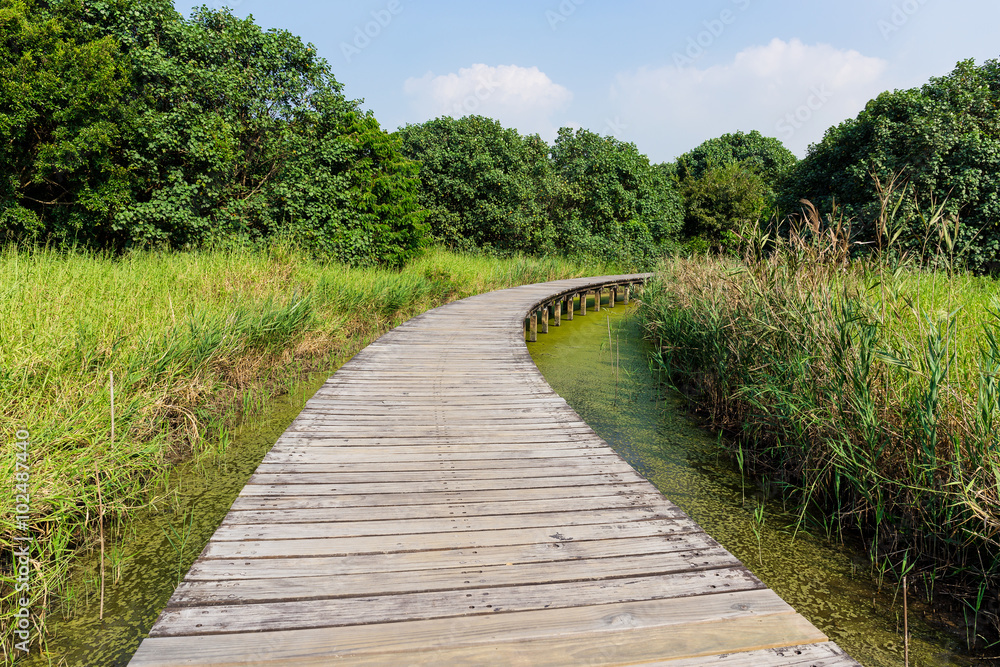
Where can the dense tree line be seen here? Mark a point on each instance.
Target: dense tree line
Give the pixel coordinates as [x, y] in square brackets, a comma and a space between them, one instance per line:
[489, 187]
[123, 124]
[939, 145]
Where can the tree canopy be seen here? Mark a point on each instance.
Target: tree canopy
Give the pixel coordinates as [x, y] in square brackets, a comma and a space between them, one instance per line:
[123, 124]
[943, 142]
[483, 185]
[730, 181]
[611, 199]
[489, 187]
[765, 156]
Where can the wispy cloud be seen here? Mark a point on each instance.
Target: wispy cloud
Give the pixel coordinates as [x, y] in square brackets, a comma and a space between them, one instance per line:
[521, 97]
[790, 90]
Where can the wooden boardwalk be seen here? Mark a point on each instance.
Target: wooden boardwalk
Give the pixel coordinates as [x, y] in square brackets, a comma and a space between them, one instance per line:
[437, 503]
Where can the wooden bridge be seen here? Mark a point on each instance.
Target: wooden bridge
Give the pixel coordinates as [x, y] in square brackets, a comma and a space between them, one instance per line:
[437, 503]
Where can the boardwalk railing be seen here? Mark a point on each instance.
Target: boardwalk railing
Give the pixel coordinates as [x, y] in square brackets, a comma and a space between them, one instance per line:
[437, 503]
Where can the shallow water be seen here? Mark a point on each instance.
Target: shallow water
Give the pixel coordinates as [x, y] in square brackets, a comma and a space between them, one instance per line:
[163, 544]
[828, 584]
[625, 408]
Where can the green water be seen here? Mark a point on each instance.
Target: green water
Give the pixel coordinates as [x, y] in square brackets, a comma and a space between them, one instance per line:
[161, 545]
[831, 586]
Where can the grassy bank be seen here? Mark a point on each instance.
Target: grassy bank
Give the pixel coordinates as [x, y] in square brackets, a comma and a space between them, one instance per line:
[865, 392]
[119, 367]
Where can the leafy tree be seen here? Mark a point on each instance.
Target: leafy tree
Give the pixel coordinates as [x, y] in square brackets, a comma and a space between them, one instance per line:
[727, 182]
[942, 139]
[765, 156]
[719, 202]
[484, 186]
[123, 124]
[64, 122]
[613, 202]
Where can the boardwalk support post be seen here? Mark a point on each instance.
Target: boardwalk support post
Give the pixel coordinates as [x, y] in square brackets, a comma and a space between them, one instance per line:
[612, 295]
[545, 318]
[598, 293]
[571, 307]
[533, 327]
[627, 288]
[583, 303]
[557, 311]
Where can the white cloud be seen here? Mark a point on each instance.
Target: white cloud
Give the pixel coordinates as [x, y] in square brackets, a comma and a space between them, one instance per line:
[520, 97]
[789, 90]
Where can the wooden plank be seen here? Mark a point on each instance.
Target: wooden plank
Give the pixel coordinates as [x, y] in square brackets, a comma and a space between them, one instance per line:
[397, 527]
[424, 511]
[472, 442]
[458, 540]
[826, 654]
[565, 494]
[430, 426]
[208, 569]
[456, 455]
[362, 461]
[632, 646]
[215, 619]
[296, 474]
[253, 489]
[328, 585]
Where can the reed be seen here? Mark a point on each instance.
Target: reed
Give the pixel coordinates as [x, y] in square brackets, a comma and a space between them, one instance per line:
[867, 388]
[194, 341]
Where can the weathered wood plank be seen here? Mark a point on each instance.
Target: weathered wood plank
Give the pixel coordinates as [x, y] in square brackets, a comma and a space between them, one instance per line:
[564, 494]
[362, 462]
[465, 523]
[299, 476]
[253, 489]
[632, 646]
[457, 540]
[425, 511]
[825, 654]
[334, 585]
[441, 604]
[457, 455]
[208, 569]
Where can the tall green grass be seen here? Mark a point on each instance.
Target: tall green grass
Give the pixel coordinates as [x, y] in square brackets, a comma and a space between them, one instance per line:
[867, 391]
[188, 342]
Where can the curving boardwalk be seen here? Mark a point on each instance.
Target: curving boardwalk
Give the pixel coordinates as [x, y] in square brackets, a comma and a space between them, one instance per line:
[437, 503]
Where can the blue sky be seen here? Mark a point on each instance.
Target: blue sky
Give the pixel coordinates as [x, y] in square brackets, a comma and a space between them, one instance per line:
[664, 75]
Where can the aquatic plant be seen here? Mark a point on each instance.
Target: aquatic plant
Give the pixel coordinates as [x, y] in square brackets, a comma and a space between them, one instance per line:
[866, 387]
